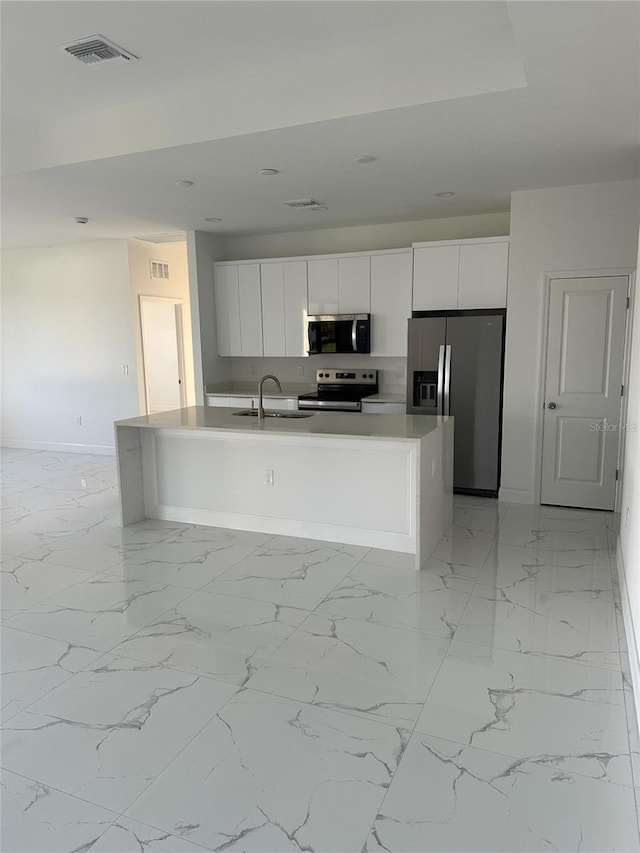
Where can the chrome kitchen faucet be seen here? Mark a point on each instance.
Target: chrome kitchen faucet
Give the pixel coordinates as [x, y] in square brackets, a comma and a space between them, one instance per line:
[260, 384]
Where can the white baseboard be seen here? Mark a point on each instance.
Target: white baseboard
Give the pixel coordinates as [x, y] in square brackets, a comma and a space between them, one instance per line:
[98, 449]
[630, 629]
[387, 541]
[516, 496]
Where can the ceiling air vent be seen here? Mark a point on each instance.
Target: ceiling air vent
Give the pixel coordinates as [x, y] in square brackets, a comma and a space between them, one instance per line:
[97, 50]
[306, 204]
[159, 269]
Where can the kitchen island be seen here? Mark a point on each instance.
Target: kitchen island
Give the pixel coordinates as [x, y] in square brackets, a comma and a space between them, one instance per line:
[383, 481]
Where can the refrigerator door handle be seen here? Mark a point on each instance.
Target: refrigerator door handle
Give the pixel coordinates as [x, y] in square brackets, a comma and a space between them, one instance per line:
[447, 382]
[440, 388]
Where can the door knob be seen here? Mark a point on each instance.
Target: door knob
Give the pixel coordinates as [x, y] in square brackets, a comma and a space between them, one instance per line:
[552, 405]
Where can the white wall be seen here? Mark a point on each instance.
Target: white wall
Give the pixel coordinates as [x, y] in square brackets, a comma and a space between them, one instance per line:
[591, 227]
[208, 367]
[629, 545]
[364, 238]
[67, 330]
[176, 287]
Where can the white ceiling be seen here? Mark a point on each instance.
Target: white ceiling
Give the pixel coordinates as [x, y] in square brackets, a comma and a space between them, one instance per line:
[480, 98]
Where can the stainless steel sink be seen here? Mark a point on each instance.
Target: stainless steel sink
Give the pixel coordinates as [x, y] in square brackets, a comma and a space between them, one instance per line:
[253, 413]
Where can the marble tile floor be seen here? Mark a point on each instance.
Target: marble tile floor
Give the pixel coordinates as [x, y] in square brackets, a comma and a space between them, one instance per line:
[174, 688]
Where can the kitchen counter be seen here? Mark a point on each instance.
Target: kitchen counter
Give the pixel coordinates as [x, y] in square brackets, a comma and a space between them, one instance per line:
[338, 424]
[381, 481]
[387, 397]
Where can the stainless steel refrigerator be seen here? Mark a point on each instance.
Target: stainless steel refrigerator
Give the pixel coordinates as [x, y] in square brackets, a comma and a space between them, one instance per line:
[455, 366]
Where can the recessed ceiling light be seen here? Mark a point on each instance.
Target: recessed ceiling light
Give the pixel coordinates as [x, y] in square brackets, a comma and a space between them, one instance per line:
[268, 172]
[212, 219]
[183, 183]
[81, 220]
[365, 158]
[444, 195]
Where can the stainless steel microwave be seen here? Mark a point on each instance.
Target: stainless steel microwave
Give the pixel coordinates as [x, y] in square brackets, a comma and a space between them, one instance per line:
[339, 333]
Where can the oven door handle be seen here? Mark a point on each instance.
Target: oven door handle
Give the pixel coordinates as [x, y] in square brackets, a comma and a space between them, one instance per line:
[354, 335]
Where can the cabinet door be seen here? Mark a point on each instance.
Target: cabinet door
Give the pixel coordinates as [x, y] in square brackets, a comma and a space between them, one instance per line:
[483, 275]
[227, 309]
[273, 309]
[435, 278]
[323, 286]
[390, 303]
[354, 285]
[250, 309]
[295, 307]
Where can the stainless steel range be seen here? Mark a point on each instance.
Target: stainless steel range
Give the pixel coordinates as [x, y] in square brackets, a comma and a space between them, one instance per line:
[340, 390]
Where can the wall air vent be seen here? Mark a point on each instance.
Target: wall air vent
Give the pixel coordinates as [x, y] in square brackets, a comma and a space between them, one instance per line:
[159, 269]
[306, 204]
[98, 51]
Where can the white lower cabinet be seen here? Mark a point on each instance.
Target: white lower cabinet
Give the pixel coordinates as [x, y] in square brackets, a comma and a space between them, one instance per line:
[230, 402]
[233, 402]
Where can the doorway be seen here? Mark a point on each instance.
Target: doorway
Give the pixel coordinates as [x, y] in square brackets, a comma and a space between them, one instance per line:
[162, 353]
[583, 390]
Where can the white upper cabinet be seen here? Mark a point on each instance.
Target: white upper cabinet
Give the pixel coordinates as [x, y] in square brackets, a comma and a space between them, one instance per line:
[435, 278]
[464, 274]
[227, 309]
[354, 285]
[273, 309]
[238, 309]
[250, 309]
[295, 307]
[323, 286]
[483, 275]
[390, 303]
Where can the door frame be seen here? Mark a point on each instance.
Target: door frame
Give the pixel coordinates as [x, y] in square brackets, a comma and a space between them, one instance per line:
[178, 305]
[548, 276]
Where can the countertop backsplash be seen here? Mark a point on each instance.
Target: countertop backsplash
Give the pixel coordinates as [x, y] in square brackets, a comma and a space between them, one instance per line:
[302, 371]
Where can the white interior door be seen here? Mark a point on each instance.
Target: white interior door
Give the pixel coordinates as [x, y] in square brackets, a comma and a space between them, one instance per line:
[161, 325]
[585, 352]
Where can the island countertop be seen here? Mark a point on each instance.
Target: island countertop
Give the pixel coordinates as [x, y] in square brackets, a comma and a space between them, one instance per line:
[337, 424]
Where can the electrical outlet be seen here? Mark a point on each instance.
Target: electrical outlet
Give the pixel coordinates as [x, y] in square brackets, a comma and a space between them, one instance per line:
[252, 369]
[83, 484]
[300, 370]
[399, 372]
[78, 420]
[626, 516]
[268, 477]
[125, 369]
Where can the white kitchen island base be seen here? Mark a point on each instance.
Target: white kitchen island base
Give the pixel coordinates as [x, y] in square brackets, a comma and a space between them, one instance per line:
[382, 481]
